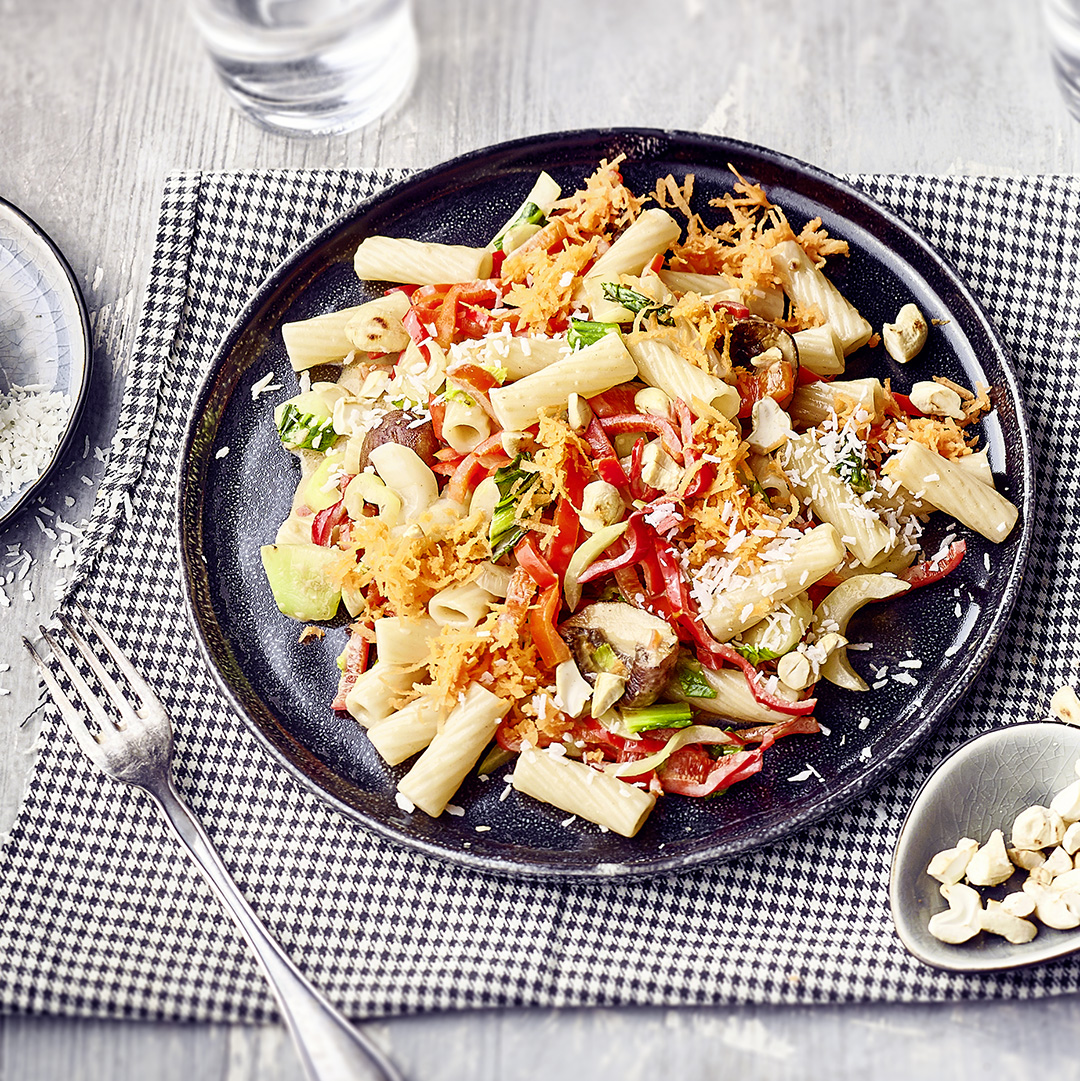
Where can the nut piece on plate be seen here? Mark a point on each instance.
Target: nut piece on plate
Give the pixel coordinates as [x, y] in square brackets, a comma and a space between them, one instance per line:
[948, 867]
[1071, 841]
[1037, 827]
[990, 866]
[962, 919]
[906, 337]
[1066, 706]
[937, 400]
[998, 920]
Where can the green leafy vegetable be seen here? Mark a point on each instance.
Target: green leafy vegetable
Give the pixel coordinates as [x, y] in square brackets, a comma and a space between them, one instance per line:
[529, 214]
[304, 430]
[661, 715]
[512, 482]
[852, 470]
[754, 654]
[582, 332]
[691, 681]
[638, 302]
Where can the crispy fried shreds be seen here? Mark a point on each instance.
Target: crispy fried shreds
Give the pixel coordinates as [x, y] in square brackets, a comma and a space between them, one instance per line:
[669, 195]
[493, 655]
[732, 511]
[939, 434]
[311, 634]
[975, 404]
[603, 207]
[816, 242]
[544, 281]
[409, 569]
[561, 452]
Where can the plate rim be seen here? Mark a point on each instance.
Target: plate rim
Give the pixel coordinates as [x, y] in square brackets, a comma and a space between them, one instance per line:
[859, 785]
[75, 413]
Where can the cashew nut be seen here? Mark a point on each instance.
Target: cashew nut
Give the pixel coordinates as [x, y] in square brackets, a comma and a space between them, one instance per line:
[1067, 803]
[998, 920]
[930, 397]
[904, 338]
[653, 400]
[990, 866]
[1037, 827]
[772, 426]
[1058, 862]
[1066, 707]
[962, 919]
[601, 505]
[948, 867]
[579, 413]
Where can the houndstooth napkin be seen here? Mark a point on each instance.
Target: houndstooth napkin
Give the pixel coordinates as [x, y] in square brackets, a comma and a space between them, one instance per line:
[101, 914]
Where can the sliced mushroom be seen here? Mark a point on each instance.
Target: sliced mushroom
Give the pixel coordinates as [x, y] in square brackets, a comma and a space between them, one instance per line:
[749, 338]
[407, 429]
[610, 636]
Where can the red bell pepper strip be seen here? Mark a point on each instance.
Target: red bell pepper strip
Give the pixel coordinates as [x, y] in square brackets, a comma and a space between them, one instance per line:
[542, 617]
[768, 734]
[729, 770]
[929, 571]
[475, 467]
[753, 678]
[437, 409]
[605, 462]
[563, 543]
[904, 402]
[614, 402]
[535, 565]
[356, 658]
[636, 539]
[645, 422]
[475, 381]
[326, 521]
[638, 488]
[686, 421]
[737, 310]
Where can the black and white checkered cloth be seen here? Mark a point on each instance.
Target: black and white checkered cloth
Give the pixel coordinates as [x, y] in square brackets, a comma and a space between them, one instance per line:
[101, 914]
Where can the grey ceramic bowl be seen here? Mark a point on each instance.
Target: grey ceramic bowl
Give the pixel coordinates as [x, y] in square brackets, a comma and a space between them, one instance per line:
[980, 787]
[44, 332]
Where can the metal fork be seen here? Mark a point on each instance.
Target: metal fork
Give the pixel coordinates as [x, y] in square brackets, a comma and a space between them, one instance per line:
[137, 749]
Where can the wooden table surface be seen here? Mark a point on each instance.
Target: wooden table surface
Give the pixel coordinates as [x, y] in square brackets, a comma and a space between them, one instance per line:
[99, 100]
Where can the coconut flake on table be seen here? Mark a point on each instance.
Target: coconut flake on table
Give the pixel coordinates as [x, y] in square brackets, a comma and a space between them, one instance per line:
[32, 421]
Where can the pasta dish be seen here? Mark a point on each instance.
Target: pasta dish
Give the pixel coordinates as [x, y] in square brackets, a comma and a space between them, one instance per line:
[599, 500]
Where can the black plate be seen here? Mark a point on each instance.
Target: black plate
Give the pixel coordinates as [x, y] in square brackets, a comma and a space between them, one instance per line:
[282, 688]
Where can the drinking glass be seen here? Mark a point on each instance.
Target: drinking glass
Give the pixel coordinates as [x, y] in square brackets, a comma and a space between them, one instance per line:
[310, 67]
[1062, 19]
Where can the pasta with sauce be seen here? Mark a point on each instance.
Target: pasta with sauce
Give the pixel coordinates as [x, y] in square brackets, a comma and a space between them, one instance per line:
[590, 509]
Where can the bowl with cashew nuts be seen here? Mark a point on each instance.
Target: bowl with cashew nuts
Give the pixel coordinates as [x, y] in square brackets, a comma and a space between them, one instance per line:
[986, 872]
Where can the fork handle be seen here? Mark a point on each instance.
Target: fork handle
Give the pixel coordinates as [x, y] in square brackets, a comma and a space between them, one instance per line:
[330, 1048]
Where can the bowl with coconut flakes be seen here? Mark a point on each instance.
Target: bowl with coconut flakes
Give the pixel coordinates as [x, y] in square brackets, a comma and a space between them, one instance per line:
[44, 357]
